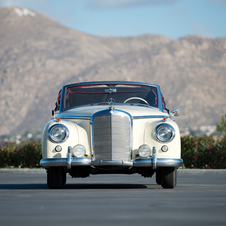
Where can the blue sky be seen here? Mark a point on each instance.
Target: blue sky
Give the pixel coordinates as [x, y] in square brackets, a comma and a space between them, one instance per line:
[172, 18]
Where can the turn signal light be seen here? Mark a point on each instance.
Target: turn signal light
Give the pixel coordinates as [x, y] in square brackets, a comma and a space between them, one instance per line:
[58, 119]
[164, 119]
[58, 148]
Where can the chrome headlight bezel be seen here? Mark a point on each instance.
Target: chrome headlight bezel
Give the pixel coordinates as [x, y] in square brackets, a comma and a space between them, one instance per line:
[160, 128]
[53, 138]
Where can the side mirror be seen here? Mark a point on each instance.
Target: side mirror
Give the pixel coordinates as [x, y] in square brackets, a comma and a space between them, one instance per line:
[175, 112]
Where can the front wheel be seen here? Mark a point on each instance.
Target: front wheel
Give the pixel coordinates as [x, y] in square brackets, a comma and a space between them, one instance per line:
[169, 177]
[55, 177]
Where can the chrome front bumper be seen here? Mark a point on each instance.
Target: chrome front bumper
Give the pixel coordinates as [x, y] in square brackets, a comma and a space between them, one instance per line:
[158, 163]
[69, 162]
[150, 162]
[64, 162]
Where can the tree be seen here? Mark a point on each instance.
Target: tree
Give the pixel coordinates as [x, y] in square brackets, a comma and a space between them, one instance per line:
[221, 126]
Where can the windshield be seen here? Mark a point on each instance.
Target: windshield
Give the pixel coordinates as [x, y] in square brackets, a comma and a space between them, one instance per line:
[111, 94]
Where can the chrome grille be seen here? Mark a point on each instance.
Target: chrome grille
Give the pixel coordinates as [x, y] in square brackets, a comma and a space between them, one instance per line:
[111, 135]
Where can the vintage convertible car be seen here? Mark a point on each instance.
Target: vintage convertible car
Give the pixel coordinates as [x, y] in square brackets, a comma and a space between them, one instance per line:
[111, 128]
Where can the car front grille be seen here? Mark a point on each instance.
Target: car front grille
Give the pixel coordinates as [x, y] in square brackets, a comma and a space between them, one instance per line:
[111, 135]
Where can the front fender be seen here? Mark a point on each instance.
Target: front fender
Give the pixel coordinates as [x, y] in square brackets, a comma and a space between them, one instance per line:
[174, 146]
[77, 135]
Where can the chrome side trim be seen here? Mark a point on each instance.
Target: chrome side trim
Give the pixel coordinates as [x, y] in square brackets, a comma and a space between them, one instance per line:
[134, 117]
[75, 117]
[150, 116]
[63, 162]
[111, 163]
[159, 162]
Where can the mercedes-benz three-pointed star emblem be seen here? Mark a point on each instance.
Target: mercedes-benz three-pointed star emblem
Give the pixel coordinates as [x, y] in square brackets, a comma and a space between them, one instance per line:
[111, 101]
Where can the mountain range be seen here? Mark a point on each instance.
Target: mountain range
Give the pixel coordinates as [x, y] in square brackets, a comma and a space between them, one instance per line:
[39, 55]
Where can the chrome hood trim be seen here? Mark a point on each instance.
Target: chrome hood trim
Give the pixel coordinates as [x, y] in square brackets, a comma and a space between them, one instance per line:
[136, 112]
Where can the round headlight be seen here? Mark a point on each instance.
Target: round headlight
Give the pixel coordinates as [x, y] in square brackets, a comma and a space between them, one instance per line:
[164, 132]
[79, 151]
[58, 133]
[144, 151]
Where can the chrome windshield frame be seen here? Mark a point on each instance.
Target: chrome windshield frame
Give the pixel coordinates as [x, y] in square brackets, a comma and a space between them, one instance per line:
[64, 88]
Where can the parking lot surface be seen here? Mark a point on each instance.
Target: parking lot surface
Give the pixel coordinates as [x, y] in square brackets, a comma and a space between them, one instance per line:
[198, 199]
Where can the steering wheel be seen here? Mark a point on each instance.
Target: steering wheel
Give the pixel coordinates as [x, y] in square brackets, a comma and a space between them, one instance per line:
[138, 98]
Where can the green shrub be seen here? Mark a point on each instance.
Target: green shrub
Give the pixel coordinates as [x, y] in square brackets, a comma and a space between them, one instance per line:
[204, 152]
[197, 152]
[26, 154]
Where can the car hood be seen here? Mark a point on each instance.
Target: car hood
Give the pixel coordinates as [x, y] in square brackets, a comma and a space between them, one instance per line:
[134, 111]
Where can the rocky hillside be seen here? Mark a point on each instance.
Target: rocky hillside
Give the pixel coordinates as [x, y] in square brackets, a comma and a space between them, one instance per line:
[38, 55]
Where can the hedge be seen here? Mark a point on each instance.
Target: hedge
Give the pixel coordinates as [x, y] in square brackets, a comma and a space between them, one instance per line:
[24, 155]
[197, 152]
[207, 152]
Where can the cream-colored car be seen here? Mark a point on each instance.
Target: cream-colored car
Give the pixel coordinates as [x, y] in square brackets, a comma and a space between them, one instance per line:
[111, 128]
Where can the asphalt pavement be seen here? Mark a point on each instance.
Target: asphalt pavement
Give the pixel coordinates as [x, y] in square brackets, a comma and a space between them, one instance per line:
[198, 199]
